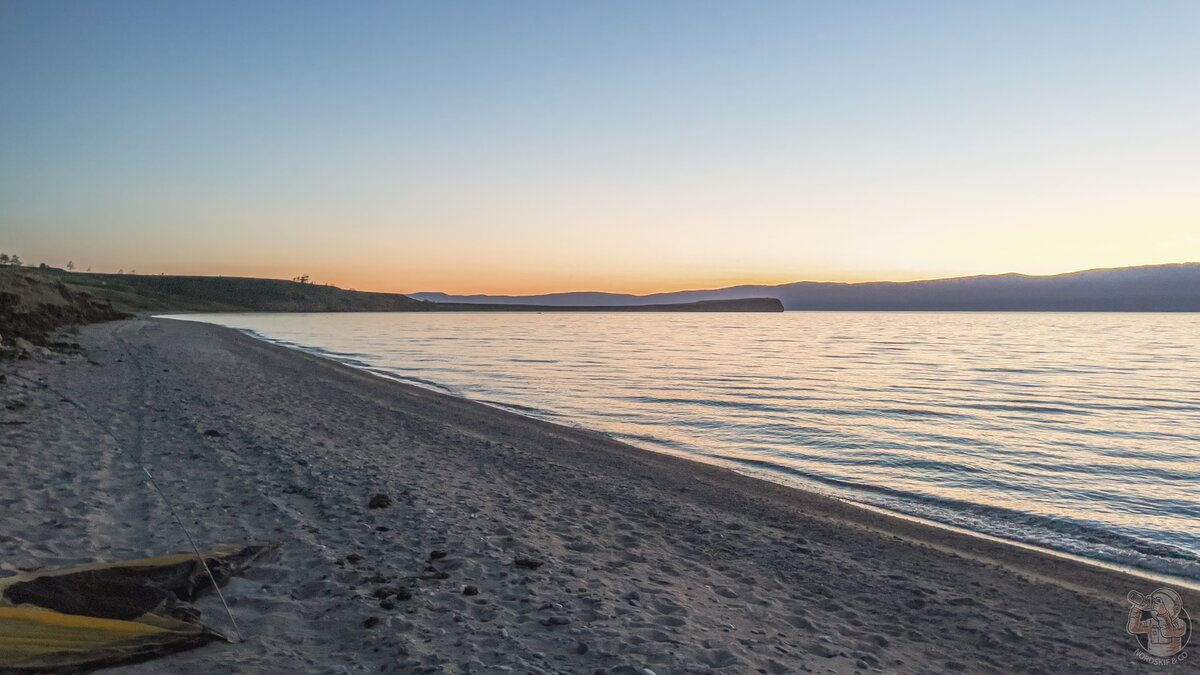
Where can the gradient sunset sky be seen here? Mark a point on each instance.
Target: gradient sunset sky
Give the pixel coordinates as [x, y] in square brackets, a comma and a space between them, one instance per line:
[525, 147]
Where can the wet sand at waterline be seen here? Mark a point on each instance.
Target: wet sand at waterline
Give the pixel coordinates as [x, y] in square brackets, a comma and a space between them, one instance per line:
[647, 561]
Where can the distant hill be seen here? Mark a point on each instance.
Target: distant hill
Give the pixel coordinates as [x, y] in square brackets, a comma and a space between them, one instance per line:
[148, 292]
[179, 293]
[733, 305]
[1150, 288]
[34, 301]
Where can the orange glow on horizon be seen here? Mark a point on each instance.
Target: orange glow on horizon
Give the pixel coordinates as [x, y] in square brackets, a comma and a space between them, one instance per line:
[384, 281]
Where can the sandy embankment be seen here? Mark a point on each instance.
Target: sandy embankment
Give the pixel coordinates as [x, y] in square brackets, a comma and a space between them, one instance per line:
[649, 561]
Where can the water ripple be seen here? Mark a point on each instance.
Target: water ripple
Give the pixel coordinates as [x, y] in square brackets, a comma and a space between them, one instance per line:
[1078, 432]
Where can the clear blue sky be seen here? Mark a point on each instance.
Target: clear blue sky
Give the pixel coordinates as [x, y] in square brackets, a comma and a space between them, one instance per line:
[628, 146]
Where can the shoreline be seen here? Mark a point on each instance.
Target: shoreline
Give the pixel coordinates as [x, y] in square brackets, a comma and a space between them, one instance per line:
[813, 487]
[651, 560]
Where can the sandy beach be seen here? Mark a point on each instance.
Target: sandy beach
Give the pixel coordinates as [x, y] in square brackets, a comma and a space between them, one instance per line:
[632, 561]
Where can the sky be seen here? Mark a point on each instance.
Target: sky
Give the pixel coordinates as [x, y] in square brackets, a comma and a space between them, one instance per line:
[527, 147]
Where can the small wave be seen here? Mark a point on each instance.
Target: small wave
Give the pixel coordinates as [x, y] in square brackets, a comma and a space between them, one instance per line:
[1077, 537]
[413, 380]
[1044, 409]
[518, 407]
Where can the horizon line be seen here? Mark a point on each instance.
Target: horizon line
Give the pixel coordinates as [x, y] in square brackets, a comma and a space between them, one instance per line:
[652, 293]
[806, 281]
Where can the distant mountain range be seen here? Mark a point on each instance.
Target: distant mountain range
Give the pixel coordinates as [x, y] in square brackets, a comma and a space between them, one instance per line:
[1149, 288]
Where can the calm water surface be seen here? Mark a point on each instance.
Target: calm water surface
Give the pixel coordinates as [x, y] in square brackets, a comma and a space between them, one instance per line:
[1078, 432]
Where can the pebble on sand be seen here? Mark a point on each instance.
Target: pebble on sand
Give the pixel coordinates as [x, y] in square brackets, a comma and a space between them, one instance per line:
[528, 563]
[379, 501]
[397, 592]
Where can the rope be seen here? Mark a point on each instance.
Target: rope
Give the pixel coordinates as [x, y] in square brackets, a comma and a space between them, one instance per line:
[154, 484]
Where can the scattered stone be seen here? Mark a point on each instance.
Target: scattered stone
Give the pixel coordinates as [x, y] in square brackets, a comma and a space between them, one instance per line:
[397, 592]
[354, 558]
[470, 590]
[381, 528]
[213, 433]
[528, 563]
[392, 592]
[379, 501]
[437, 555]
[581, 648]
[556, 621]
[371, 622]
[387, 604]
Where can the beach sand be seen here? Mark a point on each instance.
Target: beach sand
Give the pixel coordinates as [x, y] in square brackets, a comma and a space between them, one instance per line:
[648, 561]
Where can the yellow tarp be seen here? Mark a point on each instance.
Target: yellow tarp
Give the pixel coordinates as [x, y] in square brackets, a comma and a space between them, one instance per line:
[77, 619]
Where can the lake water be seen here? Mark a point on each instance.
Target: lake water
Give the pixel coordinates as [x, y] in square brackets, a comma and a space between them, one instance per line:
[1075, 432]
